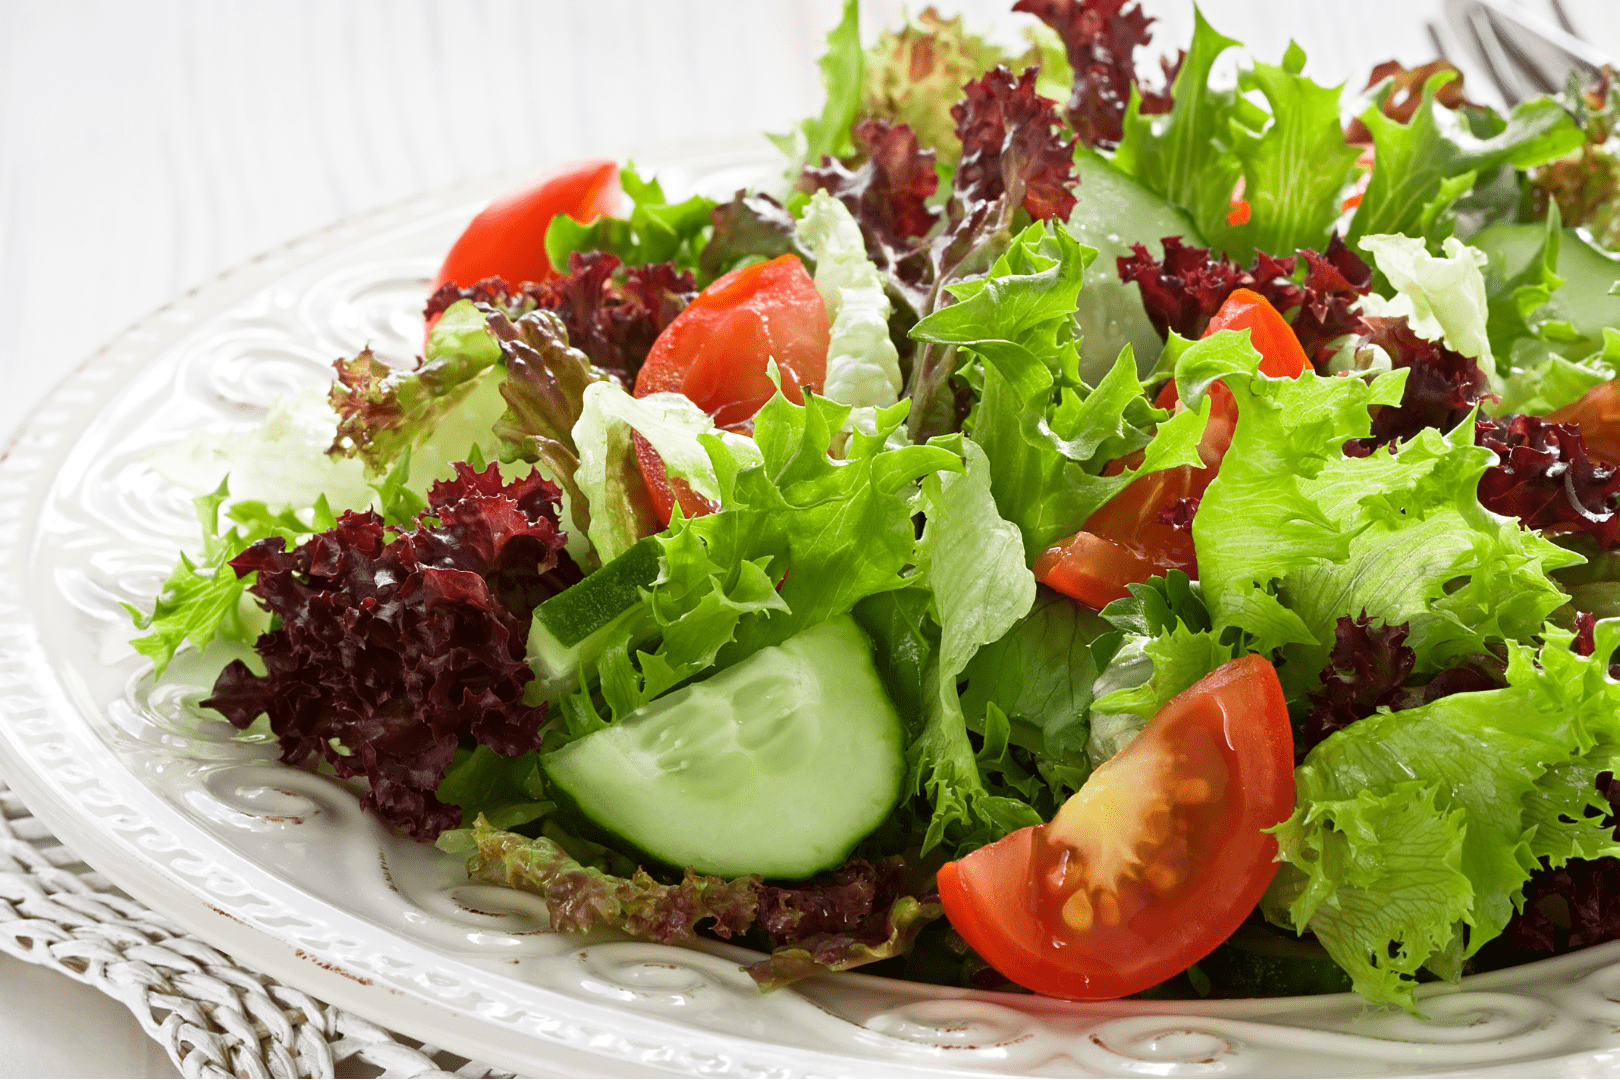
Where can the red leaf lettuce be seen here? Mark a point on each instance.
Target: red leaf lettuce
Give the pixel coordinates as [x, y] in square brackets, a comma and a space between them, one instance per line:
[1013, 157]
[1101, 38]
[860, 914]
[612, 313]
[1544, 478]
[1182, 291]
[393, 647]
[1442, 386]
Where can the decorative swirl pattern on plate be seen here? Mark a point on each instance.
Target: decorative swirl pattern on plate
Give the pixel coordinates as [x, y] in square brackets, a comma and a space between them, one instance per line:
[988, 1032]
[246, 368]
[374, 303]
[283, 868]
[645, 975]
[1164, 1046]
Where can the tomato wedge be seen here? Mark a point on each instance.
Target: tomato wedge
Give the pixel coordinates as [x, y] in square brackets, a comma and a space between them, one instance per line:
[1598, 413]
[1154, 862]
[508, 238]
[1125, 541]
[1281, 355]
[1095, 565]
[716, 352]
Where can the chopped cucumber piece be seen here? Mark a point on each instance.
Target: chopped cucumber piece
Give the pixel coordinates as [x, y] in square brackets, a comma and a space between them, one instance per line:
[574, 625]
[777, 766]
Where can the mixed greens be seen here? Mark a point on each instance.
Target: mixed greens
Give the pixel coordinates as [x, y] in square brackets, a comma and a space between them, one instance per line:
[459, 584]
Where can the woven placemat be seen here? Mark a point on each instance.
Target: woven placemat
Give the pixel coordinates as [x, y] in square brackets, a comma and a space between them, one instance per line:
[215, 1017]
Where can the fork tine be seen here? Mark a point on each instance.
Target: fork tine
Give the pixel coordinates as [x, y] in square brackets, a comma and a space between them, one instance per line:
[1488, 51]
[1522, 54]
[1517, 50]
[1563, 18]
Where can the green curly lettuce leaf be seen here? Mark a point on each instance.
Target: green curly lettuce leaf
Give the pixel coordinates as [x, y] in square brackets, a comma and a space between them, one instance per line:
[504, 791]
[1424, 552]
[800, 537]
[973, 562]
[656, 230]
[1187, 155]
[1046, 434]
[1039, 675]
[1295, 167]
[1424, 166]
[842, 68]
[203, 599]
[1410, 826]
[1255, 524]
[382, 411]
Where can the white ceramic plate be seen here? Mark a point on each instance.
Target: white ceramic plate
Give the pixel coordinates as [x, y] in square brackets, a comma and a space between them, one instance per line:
[281, 868]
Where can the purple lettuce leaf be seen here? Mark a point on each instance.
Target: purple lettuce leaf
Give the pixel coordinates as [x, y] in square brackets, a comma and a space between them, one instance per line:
[1442, 386]
[885, 935]
[1587, 890]
[1183, 290]
[394, 645]
[1101, 38]
[859, 914]
[1544, 478]
[1014, 157]
[751, 224]
[582, 898]
[544, 391]
[886, 188]
[610, 312]
[1369, 669]
[1366, 668]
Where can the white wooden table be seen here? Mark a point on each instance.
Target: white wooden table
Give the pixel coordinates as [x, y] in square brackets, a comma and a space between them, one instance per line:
[146, 146]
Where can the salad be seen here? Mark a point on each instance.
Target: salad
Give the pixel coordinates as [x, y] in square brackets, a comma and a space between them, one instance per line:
[1069, 533]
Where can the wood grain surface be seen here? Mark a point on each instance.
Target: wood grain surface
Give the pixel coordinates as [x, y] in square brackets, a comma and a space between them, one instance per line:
[145, 146]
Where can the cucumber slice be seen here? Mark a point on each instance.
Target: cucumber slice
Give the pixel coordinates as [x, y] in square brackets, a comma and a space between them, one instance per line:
[777, 766]
[574, 625]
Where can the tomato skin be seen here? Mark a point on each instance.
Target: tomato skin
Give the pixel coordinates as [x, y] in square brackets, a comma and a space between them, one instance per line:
[1281, 356]
[1093, 569]
[508, 238]
[716, 350]
[1127, 543]
[1598, 413]
[715, 353]
[1000, 898]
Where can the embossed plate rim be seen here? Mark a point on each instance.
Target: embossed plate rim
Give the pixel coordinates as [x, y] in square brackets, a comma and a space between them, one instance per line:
[51, 756]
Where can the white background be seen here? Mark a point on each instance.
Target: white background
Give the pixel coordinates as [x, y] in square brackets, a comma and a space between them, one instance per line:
[146, 146]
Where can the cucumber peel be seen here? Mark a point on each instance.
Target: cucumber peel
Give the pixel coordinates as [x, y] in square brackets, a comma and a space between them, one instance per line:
[572, 627]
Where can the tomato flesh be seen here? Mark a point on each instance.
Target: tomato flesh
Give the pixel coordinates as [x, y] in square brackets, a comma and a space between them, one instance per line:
[663, 490]
[508, 238]
[716, 353]
[1281, 355]
[1124, 542]
[1154, 862]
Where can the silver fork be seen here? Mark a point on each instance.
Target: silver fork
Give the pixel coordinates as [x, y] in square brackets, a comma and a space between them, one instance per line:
[1522, 54]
